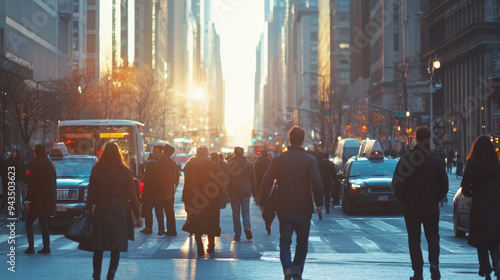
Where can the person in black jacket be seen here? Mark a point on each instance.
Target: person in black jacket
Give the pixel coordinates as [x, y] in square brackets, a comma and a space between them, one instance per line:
[169, 179]
[261, 166]
[481, 181]
[41, 198]
[328, 176]
[420, 182]
[111, 188]
[300, 187]
[152, 195]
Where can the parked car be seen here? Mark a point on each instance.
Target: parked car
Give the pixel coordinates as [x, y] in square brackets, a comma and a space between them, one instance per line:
[366, 183]
[461, 213]
[73, 174]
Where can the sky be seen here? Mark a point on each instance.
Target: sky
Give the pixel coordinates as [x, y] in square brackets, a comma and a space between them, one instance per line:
[239, 23]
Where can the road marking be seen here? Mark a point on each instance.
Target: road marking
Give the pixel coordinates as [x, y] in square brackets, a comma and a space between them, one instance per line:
[445, 224]
[454, 247]
[365, 243]
[70, 246]
[179, 243]
[151, 242]
[347, 224]
[315, 239]
[383, 226]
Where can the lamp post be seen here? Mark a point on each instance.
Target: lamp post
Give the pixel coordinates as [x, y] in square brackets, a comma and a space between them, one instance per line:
[322, 137]
[432, 66]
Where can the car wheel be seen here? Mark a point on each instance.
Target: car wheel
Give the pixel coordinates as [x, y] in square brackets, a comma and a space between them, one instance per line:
[346, 207]
[458, 232]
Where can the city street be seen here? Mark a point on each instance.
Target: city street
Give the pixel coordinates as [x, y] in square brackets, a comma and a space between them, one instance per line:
[362, 246]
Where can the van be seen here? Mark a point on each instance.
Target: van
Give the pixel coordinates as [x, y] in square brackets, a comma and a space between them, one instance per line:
[346, 148]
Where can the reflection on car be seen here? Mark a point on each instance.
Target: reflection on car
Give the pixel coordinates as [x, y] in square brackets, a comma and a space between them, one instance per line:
[73, 174]
[366, 183]
[461, 213]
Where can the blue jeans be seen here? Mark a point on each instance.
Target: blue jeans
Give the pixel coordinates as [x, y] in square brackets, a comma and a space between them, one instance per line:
[301, 224]
[243, 204]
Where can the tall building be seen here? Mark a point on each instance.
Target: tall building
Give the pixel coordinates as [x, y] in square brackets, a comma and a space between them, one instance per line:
[79, 34]
[302, 67]
[465, 37]
[35, 48]
[334, 68]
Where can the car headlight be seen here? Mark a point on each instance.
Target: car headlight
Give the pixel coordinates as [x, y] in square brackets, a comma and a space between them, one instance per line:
[85, 194]
[355, 186]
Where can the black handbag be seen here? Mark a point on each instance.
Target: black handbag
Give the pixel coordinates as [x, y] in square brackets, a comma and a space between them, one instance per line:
[81, 229]
[271, 205]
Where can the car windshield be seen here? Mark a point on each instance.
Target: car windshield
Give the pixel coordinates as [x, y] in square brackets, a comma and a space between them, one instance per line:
[73, 167]
[350, 151]
[373, 168]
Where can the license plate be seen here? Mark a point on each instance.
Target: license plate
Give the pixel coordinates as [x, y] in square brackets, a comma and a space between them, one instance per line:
[383, 198]
[61, 208]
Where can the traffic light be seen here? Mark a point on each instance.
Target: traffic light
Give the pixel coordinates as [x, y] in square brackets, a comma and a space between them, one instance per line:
[216, 139]
[363, 127]
[254, 140]
[347, 127]
[270, 138]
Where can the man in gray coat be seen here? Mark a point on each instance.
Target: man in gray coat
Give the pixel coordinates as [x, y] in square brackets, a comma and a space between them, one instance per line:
[300, 187]
[242, 183]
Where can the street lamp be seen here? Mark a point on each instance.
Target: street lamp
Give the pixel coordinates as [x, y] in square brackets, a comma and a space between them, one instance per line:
[432, 66]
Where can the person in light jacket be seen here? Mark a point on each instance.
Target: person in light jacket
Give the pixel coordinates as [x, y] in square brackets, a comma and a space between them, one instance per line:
[242, 184]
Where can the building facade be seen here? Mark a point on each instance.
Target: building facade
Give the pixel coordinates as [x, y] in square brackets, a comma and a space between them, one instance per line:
[465, 36]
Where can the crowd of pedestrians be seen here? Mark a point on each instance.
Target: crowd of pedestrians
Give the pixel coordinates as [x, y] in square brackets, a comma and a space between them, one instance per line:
[303, 184]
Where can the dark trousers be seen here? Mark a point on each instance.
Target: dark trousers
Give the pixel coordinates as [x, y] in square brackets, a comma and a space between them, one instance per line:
[482, 254]
[147, 208]
[44, 227]
[167, 206]
[113, 264]
[431, 229]
[300, 224]
[328, 194]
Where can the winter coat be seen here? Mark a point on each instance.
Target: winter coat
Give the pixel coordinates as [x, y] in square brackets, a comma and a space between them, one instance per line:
[485, 208]
[20, 166]
[42, 186]
[298, 180]
[201, 196]
[328, 173]
[169, 171]
[261, 167]
[420, 181]
[242, 180]
[153, 184]
[109, 190]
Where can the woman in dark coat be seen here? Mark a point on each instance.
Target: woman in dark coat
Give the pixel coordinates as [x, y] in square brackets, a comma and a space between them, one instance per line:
[111, 186]
[201, 197]
[481, 181]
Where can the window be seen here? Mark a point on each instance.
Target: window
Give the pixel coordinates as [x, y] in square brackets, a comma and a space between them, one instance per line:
[314, 65]
[344, 3]
[314, 49]
[90, 2]
[75, 6]
[314, 21]
[314, 36]
[344, 32]
[344, 75]
[396, 42]
[396, 15]
[91, 43]
[343, 17]
[91, 20]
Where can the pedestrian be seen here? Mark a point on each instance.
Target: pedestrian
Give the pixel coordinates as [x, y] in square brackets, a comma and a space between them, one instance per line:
[261, 166]
[329, 179]
[420, 182]
[170, 179]
[111, 194]
[153, 194]
[242, 184]
[460, 165]
[481, 181]
[41, 198]
[15, 160]
[449, 161]
[300, 186]
[201, 197]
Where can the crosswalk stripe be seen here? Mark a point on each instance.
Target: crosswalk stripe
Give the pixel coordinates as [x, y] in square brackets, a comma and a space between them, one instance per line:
[365, 243]
[346, 224]
[151, 242]
[383, 226]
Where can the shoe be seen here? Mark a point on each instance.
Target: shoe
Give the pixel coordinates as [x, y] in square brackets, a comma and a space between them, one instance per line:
[268, 228]
[320, 215]
[435, 275]
[171, 233]
[288, 273]
[201, 251]
[487, 277]
[237, 238]
[211, 249]
[30, 250]
[160, 233]
[146, 231]
[417, 277]
[248, 234]
[45, 251]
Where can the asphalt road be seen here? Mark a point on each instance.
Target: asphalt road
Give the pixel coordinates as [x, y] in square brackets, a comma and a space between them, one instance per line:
[363, 246]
